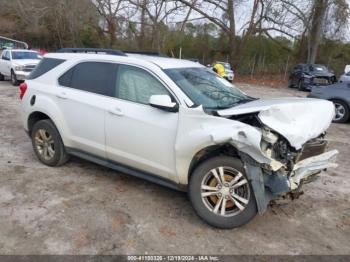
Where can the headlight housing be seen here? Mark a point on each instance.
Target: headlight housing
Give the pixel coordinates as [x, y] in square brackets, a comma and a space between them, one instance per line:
[18, 68]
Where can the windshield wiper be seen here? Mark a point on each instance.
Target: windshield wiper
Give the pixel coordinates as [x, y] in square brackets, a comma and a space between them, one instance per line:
[243, 101]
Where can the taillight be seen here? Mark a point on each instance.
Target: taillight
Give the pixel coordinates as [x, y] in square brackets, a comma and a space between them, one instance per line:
[22, 89]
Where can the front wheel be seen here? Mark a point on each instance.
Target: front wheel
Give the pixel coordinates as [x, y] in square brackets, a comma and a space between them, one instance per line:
[221, 193]
[290, 83]
[14, 80]
[300, 85]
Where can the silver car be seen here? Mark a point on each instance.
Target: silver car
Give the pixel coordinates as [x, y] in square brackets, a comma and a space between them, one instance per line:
[345, 78]
[339, 94]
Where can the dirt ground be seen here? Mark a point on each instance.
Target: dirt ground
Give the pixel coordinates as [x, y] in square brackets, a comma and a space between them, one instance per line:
[83, 208]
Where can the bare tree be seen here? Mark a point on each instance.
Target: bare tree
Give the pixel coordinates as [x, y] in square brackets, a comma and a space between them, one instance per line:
[303, 20]
[221, 13]
[154, 13]
[111, 10]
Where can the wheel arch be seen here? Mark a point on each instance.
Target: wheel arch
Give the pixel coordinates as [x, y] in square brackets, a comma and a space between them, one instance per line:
[208, 152]
[34, 117]
[341, 99]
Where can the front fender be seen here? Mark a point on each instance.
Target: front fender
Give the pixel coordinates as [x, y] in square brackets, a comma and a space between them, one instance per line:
[198, 130]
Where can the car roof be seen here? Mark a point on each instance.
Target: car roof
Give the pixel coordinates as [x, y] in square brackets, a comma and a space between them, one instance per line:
[21, 50]
[162, 62]
[303, 64]
[166, 62]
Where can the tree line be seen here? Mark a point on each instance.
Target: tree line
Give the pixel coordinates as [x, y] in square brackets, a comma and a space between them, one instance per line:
[255, 36]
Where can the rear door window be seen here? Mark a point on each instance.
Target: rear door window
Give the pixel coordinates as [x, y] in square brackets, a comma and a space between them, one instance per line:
[94, 77]
[5, 55]
[45, 66]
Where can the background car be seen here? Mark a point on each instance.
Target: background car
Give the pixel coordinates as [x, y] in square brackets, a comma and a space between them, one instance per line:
[229, 74]
[346, 76]
[304, 76]
[340, 95]
[18, 64]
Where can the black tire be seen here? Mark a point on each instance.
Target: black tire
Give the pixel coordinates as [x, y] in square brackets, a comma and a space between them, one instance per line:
[2, 77]
[59, 157]
[346, 111]
[14, 80]
[300, 85]
[199, 204]
[290, 84]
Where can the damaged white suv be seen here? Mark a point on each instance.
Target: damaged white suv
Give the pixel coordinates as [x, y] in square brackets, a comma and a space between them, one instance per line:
[178, 124]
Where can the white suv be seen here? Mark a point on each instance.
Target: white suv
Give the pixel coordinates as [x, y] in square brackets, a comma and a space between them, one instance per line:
[176, 123]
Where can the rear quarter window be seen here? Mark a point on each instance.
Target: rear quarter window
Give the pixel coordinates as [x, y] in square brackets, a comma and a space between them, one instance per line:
[94, 77]
[45, 66]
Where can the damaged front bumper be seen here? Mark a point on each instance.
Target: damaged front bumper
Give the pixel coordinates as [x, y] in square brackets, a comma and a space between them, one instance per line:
[310, 166]
[270, 185]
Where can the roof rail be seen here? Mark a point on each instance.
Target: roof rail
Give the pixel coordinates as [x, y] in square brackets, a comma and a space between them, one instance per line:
[92, 50]
[150, 53]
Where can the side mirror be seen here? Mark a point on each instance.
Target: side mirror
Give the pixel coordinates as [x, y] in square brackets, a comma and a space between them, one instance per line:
[163, 102]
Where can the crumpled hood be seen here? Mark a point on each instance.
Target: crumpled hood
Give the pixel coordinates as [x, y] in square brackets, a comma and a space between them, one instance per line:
[321, 74]
[26, 61]
[296, 119]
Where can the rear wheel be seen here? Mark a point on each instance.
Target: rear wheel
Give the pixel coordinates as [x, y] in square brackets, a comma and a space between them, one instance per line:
[47, 143]
[341, 111]
[2, 77]
[221, 193]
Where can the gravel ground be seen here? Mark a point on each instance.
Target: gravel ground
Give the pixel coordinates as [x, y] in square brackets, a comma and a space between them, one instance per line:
[83, 208]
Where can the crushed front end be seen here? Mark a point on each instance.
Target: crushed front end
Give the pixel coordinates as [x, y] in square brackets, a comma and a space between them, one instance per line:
[292, 133]
[290, 168]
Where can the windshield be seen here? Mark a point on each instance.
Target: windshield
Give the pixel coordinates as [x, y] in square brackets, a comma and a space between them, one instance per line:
[318, 68]
[206, 88]
[25, 55]
[226, 65]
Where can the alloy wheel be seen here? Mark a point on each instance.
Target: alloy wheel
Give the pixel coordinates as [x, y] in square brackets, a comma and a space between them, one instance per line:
[44, 144]
[225, 191]
[339, 111]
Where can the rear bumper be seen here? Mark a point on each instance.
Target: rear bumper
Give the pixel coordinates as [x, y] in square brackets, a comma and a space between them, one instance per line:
[310, 166]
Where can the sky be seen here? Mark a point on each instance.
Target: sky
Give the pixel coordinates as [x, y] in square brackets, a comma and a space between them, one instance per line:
[243, 12]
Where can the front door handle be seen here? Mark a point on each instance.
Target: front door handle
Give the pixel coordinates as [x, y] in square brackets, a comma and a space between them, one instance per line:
[116, 111]
[62, 95]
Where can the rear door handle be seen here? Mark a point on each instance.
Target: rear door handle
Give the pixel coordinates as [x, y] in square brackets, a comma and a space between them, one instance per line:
[116, 111]
[62, 95]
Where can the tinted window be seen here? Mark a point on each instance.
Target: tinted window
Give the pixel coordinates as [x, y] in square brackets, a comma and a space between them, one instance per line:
[137, 85]
[45, 66]
[318, 68]
[5, 55]
[92, 77]
[16, 55]
[66, 78]
[297, 68]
